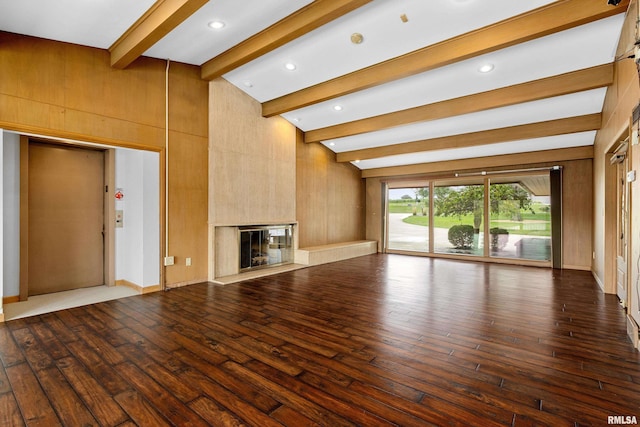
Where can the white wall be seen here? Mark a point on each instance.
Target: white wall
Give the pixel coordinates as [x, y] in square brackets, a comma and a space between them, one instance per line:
[10, 234]
[138, 241]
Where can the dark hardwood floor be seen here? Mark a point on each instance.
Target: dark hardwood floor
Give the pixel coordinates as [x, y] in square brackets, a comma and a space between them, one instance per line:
[377, 340]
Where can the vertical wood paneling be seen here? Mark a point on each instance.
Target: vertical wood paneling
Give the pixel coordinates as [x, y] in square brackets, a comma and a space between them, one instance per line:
[330, 197]
[577, 215]
[622, 97]
[252, 161]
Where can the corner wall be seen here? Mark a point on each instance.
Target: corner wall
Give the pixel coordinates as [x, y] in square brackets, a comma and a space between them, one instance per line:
[260, 173]
[621, 99]
[330, 197]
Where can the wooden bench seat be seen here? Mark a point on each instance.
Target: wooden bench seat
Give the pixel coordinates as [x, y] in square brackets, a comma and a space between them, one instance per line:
[315, 255]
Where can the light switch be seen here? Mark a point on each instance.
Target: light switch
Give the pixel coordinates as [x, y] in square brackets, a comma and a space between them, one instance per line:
[119, 219]
[631, 176]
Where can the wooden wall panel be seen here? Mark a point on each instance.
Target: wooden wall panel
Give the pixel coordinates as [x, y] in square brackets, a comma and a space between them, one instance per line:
[62, 90]
[375, 211]
[188, 193]
[577, 214]
[252, 161]
[330, 197]
[622, 97]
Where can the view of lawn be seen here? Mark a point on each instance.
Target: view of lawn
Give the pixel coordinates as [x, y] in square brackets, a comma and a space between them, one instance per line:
[538, 224]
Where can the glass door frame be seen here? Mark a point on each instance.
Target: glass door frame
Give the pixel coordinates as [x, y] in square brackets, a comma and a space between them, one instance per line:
[431, 182]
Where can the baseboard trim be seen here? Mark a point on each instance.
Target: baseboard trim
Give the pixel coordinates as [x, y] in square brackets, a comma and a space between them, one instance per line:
[633, 332]
[598, 281]
[577, 267]
[140, 289]
[190, 282]
[10, 300]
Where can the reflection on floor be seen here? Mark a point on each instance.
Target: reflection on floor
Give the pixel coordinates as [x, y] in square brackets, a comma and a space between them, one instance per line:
[48, 303]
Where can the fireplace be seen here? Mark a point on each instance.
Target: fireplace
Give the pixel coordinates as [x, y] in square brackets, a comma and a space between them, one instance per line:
[265, 246]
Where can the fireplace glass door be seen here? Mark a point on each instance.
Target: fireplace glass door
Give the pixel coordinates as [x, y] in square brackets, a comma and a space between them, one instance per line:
[265, 246]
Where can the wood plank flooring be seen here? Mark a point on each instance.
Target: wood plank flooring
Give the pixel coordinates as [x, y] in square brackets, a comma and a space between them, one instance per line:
[373, 341]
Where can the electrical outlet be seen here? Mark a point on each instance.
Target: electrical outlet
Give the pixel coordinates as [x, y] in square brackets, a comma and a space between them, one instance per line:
[168, 260]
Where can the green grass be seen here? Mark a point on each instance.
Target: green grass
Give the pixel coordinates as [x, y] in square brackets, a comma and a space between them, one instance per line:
[408, 206]
[512, 226]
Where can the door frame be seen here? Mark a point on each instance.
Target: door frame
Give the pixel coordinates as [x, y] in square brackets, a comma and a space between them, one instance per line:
[108, 206]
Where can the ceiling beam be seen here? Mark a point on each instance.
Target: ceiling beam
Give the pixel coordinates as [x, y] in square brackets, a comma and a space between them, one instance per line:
[565, 126]
[533, 157]
[303, 21]
[156, 23]
[563, 84]
[549, 19]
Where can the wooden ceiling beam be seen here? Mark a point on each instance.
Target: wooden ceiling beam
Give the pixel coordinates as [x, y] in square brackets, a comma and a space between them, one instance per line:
[563, 84]
[307, 19]
[533, 157]
[157, 22]
[564, 126]
[549, 19]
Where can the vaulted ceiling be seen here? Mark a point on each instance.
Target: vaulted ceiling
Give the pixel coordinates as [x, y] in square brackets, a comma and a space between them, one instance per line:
[385, 84]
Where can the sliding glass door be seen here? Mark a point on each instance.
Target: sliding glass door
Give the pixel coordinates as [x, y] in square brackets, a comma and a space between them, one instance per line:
[520, 225]
[499, 216]
[408, 219]
[459, 218]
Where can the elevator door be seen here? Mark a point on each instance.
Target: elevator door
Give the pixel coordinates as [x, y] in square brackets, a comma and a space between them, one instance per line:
[66, 218]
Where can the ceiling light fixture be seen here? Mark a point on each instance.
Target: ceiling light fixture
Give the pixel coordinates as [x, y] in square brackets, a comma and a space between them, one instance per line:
[486, 68]
[333, 144]
[357, 38]
[247, 83]
[337, 107]
[290, 66]
[216, 25]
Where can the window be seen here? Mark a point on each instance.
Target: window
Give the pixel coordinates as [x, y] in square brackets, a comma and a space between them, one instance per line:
[500, 216]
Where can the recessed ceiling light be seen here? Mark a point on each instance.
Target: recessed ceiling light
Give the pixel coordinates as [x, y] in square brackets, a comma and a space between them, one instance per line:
[337, 107]
[216, 25]
[357, 161]
[290, 66]
[486, 68]
[296, 119]
[333, 144]
[247, 83]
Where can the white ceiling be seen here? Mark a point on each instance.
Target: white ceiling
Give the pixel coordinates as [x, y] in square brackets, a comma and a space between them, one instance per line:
[327, 52]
